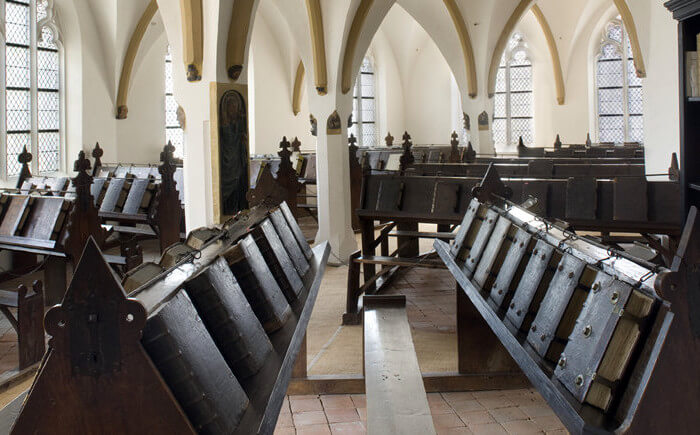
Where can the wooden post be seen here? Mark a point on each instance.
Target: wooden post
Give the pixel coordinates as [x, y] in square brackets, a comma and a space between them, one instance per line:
[168, 212]
[24, 158]
[83, 219]
[454, 149]
[407, 158]
[355, 181]
[30, 325]
[287, 177]
[97, 154]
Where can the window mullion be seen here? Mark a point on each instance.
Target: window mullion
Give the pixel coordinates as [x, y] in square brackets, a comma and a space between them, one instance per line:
[33, 93]
[509, 127]
[3, 106]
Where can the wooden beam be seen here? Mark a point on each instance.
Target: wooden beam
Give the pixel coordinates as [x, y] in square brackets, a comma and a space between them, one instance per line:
[467, 49]
[192, 38]
[553, 52]
[631, 27]
[351, 44]
[130, 57]
[241, 17]
[298, 86]
[318, 42]
[515, 17]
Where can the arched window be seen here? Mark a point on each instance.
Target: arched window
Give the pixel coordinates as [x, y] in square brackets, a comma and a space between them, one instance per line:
[513, 108]
[31, 63]
[618, 89]
[364, 113]
[173, 131]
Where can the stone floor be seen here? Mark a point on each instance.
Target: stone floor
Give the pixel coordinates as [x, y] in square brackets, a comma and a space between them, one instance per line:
[484, 412]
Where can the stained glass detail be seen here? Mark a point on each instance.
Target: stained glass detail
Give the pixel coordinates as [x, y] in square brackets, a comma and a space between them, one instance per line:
[619, 90]
[513, 101]
[364, 107]
[173, 131]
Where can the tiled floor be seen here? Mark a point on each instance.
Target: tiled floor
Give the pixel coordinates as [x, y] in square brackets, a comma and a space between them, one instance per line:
[484, 412]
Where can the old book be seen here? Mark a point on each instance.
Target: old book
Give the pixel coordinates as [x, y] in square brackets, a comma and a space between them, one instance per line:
[230, 319]
[258, 284]
[132, 204]
[173, 254]
[44, 218]
[193, 368]
[140, 275]
[278, 260]
[197, 238]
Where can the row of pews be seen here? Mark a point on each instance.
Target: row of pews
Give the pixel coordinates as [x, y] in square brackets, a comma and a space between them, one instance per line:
[599, 334]
[205, 341]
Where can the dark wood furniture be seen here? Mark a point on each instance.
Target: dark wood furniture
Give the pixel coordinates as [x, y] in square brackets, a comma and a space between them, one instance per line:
[591, 328]
[396, 403]
[27, 322]
[177, 310]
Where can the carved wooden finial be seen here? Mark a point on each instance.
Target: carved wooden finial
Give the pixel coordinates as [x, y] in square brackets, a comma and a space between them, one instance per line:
[284, 152]
[389, 139]
[352, 140]
[469, 155]
[296, 145]
[98, 152]
[407, 158]
[557, 143]
[25, 156]
[674, 171]
[588, 140]
[82, 165]
[455, 139]
[521, 144]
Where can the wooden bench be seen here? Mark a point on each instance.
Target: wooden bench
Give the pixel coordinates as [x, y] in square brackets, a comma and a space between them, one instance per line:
[163, 361]
[396, 398]
[585, 323]
[27, 322]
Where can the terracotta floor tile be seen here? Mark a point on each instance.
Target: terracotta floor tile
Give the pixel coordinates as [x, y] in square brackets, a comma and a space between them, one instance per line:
[285, 431]
[548, 423]
[440, 408]
[522, 427]
[362, 412]
[457, 397]
[318, 429]
[353, 428]
[453, 431]
[309, 418]
[476, 417]
[467, 406]
[488, 429]
[306, 405]
[557, 432]
[447, 421]
[535, 411]
[359, 400]
[495, 402]
[342, 415]
[337, 401]
[503, 415]
[489, 394]
[285, 420]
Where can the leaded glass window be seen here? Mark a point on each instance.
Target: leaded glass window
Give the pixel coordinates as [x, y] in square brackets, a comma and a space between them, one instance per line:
[619, 92]
[513, 99]
[364, 113]
[173, 131]
[31, 60]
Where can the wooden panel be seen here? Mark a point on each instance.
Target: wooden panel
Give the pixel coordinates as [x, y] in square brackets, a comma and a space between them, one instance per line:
[461, 236]
[396, 398]
[14, 216]
[504, 284]
[581, 198]
[114, 196]
[529, 283]
[556, 300]
[135, 196]
[488, 259]
[630, 203]
[44, 218]
[390, 195]
[482, 239]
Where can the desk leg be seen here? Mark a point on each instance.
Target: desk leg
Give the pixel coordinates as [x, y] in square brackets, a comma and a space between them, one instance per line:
[299, 369]
[408, 246]
[54, 280]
